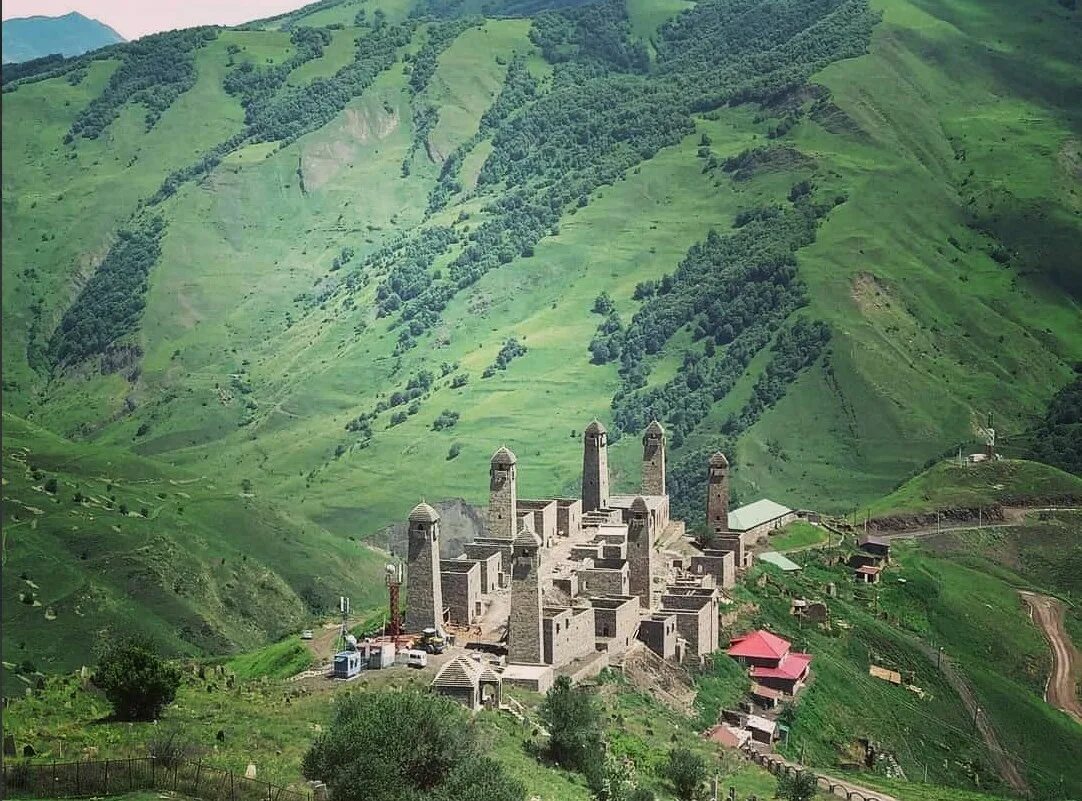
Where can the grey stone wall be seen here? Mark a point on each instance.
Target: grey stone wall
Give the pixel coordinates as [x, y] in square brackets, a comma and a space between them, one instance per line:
[424, 593]
[603, 579]
[653, 460]
[717, 498]
[658, 631]
[569, 517]
[524, 637]
[461, 581]
[616, 619]
[640, 553]
[595, 468]
[719, 564]
[568, 634]
[502, 500]
[545, 513]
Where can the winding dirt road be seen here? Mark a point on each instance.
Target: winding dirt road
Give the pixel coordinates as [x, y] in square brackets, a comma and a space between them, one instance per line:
[1061, 690]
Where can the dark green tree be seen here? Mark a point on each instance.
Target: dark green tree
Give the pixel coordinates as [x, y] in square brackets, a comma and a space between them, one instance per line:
[138, 683]
[387, 746]
[573, 720]
[686, 771]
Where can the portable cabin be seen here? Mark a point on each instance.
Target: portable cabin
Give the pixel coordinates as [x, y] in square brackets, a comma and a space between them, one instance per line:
[377, 655]
[347, 664]
[412, 657]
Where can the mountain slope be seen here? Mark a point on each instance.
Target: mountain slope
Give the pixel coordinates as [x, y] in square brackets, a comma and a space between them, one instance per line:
[27, 38]
[98, 541]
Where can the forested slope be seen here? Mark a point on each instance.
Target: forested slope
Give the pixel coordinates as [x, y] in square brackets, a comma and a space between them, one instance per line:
[333, 259]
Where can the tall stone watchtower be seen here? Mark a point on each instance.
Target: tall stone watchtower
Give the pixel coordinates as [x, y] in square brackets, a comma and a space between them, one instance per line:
[502, 495]
[717, 495]
[653, 460]
[525, 643]
[425, 599]
[595, 468]
[640, 553]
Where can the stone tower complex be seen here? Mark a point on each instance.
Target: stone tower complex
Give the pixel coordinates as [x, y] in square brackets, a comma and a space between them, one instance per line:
[640, 553]
[653, 460]
[595, 468]
[524, 626]
[717, 497]
[425, 607]
[502, 491]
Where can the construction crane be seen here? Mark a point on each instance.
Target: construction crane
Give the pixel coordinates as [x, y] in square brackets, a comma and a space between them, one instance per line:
[394, 587]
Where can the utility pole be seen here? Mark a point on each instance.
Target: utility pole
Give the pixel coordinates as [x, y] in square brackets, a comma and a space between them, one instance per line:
[980, 517]
[938, 523]
[939, 657]
[976, 714]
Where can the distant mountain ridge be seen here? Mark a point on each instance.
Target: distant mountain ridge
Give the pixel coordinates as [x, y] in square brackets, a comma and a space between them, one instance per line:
[25, 38]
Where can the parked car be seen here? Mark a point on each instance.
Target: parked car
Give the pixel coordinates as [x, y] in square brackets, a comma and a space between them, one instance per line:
[307, 634]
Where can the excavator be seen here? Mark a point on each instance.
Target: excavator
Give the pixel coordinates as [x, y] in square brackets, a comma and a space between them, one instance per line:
[431, 641]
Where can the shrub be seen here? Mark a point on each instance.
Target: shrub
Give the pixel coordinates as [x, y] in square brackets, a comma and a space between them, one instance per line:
[797, 787]
[385, 746]
[135, 680]
[686, 770]
[573, 719]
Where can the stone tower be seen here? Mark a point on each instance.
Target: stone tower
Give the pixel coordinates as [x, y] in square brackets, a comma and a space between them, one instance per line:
[502, 493]
[525, 644]
[717, 494]
[640, 553]
[653, 460]
[425, 599]
[595, 468]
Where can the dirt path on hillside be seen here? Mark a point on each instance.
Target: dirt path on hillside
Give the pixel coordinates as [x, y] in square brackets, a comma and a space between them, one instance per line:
[1001, 758]
[1014, 516]
[1061, 690]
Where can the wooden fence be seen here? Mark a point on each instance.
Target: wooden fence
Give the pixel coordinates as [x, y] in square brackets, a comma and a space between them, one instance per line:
[118, 776]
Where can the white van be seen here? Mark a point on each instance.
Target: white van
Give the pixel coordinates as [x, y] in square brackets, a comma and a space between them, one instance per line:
[411, 657]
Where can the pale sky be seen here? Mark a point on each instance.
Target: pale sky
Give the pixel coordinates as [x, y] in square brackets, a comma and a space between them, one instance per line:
[135, 18]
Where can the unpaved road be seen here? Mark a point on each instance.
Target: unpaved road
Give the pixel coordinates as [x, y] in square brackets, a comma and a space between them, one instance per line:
[1061, 691]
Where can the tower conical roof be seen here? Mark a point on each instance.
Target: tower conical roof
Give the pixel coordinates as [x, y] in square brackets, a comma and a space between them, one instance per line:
[423, 513]
[504, 456]
[595, 427]
[655, 428]
[639, 504]
[719, 460]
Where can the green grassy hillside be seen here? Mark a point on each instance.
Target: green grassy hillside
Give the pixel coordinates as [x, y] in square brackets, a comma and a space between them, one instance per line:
[958, 592]
[948, 486]
[97, 542]
[281, 264]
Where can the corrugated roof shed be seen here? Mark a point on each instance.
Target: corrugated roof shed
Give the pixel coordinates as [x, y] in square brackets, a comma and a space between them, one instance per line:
[755, 514]
[776, 559]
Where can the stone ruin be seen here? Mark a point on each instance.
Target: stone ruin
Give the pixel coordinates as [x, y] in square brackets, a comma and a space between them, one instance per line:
[571, 584]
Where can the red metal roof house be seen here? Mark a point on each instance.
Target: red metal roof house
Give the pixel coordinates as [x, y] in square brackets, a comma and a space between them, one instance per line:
[772, 661]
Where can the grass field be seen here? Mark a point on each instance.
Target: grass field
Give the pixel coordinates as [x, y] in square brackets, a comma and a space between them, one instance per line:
[948, 485]
[797, 535]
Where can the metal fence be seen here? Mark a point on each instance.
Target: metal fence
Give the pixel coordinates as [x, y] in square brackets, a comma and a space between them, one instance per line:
[119, 776]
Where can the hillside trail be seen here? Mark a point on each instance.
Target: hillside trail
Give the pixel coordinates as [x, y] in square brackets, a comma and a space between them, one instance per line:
[1003, 760]
[1015, 517]
[1060, 691]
